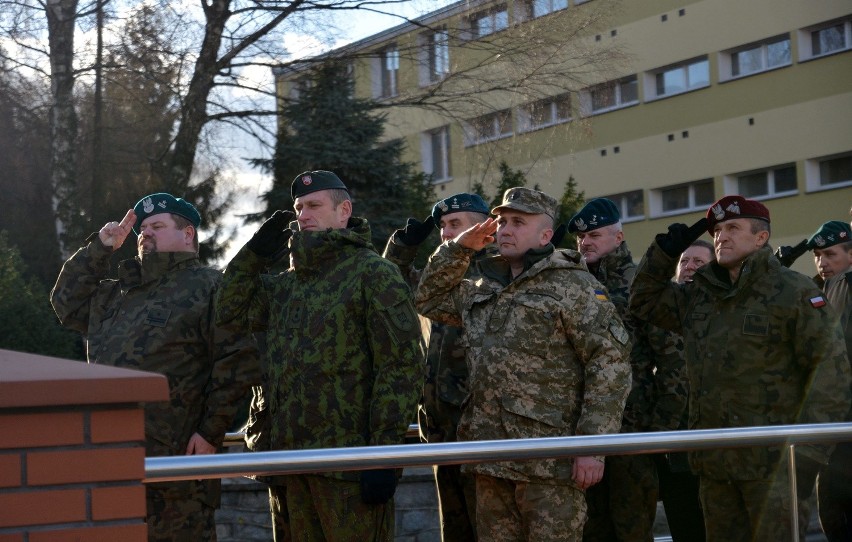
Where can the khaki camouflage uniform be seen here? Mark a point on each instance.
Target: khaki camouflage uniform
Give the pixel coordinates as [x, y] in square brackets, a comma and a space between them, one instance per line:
[834, 488]
[623, 506]
[444, 390]
[546, 357]
[158, 316]
[758, 352]
[344, 353]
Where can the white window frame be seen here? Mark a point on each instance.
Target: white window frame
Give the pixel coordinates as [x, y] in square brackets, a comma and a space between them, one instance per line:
[497, 20]
[682, 67]
[732, 182]
[727, 59]
[619, 101]
[489, 127]
[527, 8]
[622, 201]
[813, 174]
[440, 169]
[527, 121]
[806, 36]
[434, 56]
[655, 199]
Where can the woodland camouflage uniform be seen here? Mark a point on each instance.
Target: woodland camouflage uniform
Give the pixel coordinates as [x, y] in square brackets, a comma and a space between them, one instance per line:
[622, 507]
[765, 350]
[158, 316]
[344, 356]
[546, 357]
[444, 390]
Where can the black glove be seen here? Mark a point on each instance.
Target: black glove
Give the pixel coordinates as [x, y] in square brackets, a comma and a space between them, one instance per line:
[272, 236]
[378, 486]
[787, 255]
[680, 237]
[806, 475]
[558, 234]
[415, 232]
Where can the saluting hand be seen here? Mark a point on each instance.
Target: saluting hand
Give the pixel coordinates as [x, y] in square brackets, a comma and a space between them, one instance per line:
[113, 234]
[479, 235]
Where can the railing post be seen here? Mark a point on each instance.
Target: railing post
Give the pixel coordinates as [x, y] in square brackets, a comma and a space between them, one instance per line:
[794, 493]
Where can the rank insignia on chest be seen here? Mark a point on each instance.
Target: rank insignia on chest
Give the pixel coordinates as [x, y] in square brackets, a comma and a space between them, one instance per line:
[817, 302]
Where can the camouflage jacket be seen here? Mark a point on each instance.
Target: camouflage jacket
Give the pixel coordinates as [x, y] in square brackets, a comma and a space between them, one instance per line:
[546, 352]
[445, 383]
[839, 294]
[766, 350]
[343, 345]
[158, 316]
[658, 396]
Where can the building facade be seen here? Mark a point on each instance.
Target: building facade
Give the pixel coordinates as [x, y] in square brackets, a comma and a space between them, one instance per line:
[663, 106]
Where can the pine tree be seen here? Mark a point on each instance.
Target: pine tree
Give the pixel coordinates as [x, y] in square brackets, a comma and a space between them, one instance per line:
[570, 202]
[328, 128]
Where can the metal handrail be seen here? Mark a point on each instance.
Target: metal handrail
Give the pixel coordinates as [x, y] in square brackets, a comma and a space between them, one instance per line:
[195, 467]
[238, 438]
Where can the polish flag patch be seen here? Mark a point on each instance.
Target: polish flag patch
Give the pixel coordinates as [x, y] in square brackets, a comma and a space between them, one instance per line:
[817, 301]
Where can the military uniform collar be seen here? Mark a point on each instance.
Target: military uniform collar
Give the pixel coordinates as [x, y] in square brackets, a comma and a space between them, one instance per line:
[152, 266]
[313, 250]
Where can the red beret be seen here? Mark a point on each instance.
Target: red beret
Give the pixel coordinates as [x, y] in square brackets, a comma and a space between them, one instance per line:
[735, 207]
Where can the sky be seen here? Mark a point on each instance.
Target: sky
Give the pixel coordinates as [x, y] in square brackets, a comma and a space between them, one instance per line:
[251, 183]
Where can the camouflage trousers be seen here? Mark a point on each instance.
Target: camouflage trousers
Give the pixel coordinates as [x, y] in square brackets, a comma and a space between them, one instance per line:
[679, 493]
[321, 508]
[512, 511]
[456, 503]
[173, 519]
[750, 510]
[834, 493]
[278, 508]
[623, 505]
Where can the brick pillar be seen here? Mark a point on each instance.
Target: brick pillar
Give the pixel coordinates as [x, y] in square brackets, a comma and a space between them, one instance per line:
[72, 450]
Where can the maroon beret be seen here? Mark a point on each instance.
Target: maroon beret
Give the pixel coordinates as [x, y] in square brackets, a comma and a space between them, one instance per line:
[735, 207]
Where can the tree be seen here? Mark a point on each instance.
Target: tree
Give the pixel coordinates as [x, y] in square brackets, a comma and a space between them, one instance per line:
[26, 317]
[570, 202]
[328, 128]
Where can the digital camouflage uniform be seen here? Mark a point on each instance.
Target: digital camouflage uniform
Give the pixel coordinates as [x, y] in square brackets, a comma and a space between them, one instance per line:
[444, 390]
[158, 316]
[834, 488]
[763, 351]
[344, 355]
[622, 507]
[546, 357]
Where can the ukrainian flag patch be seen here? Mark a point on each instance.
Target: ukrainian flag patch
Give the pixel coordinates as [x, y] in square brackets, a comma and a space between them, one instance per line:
[600, 294]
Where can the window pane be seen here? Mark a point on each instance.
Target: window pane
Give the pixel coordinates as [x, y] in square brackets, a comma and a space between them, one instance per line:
[675, 198]
[778, 53]
[501, 20]
[746, 61]
[540, 7]
[785, 179]
[828, 39]
[504, 122]
[563, 108]
[633, 204]
[755, 184]
[699, 74]
[603, 96]
[560, 4]
[834, 171]
[629, 90]
[437, 155]
[704, 193]
[671, 82]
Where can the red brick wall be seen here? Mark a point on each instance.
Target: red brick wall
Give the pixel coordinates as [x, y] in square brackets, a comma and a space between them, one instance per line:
[72, 452]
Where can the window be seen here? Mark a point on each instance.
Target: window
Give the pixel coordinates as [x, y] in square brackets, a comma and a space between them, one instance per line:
[543, 113]
[435, 150]
[390, 71]
[681, 77]
[682, 198]
[829, 172]
[489, 22]
[631, 205]
[435, 63]
[613, 95]
[826, 39]
[488, 127]
[765, 183]
[756, 57]
[533, 9]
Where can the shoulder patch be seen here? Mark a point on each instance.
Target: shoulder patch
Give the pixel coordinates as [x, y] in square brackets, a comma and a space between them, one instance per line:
[617, 330]
[600, 294]
[817, 301]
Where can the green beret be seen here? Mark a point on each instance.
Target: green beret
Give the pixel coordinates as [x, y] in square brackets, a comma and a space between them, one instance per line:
[459, 203]
[161, 202]
[597, 213]
[527, 200]
[314, 181]
[833, 232]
